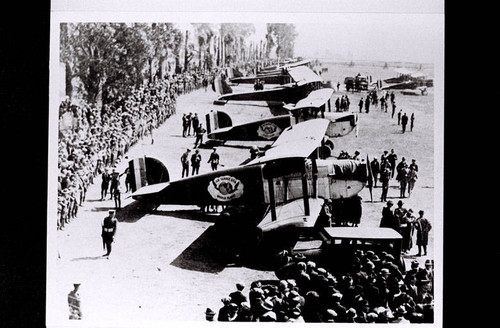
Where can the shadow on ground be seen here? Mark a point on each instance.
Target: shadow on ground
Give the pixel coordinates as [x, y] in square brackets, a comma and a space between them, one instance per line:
[202, 255]
[216, 249]
[131, 213]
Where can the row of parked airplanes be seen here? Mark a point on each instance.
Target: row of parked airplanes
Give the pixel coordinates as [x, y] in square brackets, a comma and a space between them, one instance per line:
[285, 187]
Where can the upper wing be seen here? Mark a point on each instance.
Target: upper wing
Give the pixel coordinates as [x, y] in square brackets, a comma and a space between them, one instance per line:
[315, 99]
[297, 141]
[304, 75]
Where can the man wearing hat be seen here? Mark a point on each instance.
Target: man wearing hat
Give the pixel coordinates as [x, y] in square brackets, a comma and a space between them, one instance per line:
[337, 307]
[237, 296]
[385, 176]
[209, 314]
[185, 163]
[75, 312]
[109, 225]
[195, 162]
[214, 160]
[199, 135]
[375, 166]
[422, 226]
[399, 315]
[389, 220]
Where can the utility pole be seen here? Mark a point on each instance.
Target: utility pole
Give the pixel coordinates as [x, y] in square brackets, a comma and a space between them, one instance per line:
[186, 51]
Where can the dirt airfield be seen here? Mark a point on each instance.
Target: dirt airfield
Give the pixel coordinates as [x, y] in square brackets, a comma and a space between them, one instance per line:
[162, 268]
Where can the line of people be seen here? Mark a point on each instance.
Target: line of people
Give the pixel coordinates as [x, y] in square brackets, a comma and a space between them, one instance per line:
[93, 141]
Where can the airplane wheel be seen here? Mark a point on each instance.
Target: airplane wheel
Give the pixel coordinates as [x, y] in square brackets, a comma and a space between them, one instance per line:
[326, 151]
[330, 144]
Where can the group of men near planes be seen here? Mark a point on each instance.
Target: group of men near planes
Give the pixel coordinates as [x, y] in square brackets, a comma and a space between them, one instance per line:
[383, 171]
[190, 121]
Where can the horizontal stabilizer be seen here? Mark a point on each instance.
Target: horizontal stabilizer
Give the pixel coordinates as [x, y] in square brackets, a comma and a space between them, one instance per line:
[151, 189]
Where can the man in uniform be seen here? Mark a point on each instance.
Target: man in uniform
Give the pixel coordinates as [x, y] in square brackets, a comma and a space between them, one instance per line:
[199, 135]
[195, 162]
[185, 163]
[109, 225]
[385, 176]
[115, 181]
[214, 160]
[75, 312]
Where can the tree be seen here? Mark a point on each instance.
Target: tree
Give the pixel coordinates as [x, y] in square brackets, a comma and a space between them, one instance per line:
[282, 37]
[204, 34]
[233, 37]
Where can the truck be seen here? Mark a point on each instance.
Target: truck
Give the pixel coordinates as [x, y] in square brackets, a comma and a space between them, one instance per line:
[334, 248]
[357, 83]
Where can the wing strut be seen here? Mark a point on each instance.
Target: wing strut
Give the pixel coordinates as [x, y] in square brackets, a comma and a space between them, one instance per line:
[305, 192]
[270, 182]
[315, 178]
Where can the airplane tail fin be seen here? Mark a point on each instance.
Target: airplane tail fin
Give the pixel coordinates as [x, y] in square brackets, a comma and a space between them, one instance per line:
[146, 171]
[217, 120]
[221, 87]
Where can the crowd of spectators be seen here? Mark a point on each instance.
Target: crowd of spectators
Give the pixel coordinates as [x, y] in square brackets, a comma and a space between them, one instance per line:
[373, 291]
[94, 140]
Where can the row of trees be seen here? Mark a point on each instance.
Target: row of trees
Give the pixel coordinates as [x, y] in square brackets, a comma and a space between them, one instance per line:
[107, 59]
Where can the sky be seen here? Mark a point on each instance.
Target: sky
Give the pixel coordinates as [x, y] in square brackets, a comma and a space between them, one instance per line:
[382, 30]
[382, 37]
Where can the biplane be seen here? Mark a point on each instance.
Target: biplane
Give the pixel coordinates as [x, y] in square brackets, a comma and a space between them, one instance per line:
[270, 75]
[300, 81]
[408, 80]
[317, 104]
[282, 190]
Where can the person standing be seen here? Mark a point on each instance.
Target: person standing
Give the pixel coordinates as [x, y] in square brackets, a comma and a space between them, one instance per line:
[385, 176]
[388, 219]
[188, 122]
[199, 136]
[106, 177]
[367, 104]
[117, 194]
[403, 180]
[184, 125]
[75, 311]
[411, 179]
[393, 109]
[214, 160]
[422, 226]
[407, 231]
[400, 213]
[115, 181]
[360, 104]
[185, 163]
[412, 121]
[404, 122]
[195, 162]
[399, 116]
[128, 179]
[414, 164]
[392, 158]
[195, 122]
[109, 225]
[375, 166]
[338, 86]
